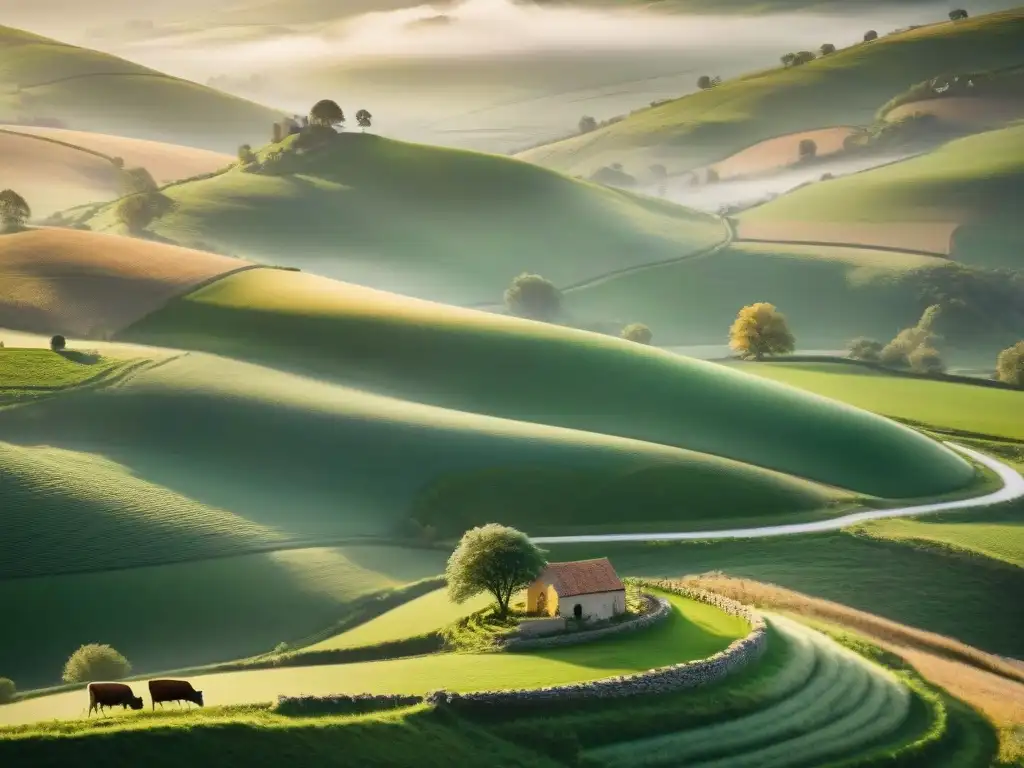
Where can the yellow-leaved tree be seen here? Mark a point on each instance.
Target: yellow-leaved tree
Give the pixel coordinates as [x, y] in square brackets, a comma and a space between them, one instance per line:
[760, 330]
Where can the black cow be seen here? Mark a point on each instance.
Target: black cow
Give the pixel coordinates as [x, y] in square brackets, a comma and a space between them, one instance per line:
[174, 690]
[111, 695]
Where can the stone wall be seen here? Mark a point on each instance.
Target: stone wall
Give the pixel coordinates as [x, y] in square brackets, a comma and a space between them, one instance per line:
[657, 609]
[661, 680]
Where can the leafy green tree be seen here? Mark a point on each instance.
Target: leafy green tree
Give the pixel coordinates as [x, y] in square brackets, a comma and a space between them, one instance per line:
[826, 49]
[326, 113]
[7, 690]
[138, 211]
[364, 119]
[245, 155]
[870, 35]
[926, 359]
[704, 82]
[788, 59]
[637, 332]
[1010, 365]
[495, 559]
[14, 211]
[95, 662]
[58, 343]
[760, 330]
[533, 297]
[865, 349]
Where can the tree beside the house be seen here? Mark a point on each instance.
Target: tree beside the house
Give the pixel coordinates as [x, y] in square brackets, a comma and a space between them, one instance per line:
[493, 559]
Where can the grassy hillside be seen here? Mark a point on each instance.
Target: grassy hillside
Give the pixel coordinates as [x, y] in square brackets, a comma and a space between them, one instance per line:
[828, 294]
[845, 88]
[945, 405]
[460, 359]
[84, 284]
[438, 223]
[46, 79]
[694, 630]
[974, 182]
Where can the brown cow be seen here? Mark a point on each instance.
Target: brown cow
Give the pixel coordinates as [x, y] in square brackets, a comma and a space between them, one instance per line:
[111, 695]
[174, 690]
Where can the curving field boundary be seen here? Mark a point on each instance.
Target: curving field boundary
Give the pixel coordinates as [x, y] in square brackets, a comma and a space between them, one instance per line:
[1013, 489]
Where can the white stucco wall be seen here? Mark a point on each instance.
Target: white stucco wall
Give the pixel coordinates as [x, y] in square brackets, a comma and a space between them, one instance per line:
[600, 606]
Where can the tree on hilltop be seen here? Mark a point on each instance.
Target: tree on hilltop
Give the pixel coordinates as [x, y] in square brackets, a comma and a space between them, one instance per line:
[1010, 365]
[587, 124]
[7, 690]
[245, 155]
[870, 35]
[364, 119]
[14, 211]
[826, 49]
[326, 113]
[138, 181]
[788, 59]
[760, 330]
[637, 332]
[533, 297]
[957, 14]
[495, 559]
[704, 82]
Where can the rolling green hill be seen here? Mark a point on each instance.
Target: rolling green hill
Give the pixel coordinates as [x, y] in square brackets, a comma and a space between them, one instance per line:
[533, 372]
[845, 88]
[42, 78]
[828, 294]
[438, 223]
[976, 181]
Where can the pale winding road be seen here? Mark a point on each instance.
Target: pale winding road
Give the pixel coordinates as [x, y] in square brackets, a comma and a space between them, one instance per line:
[1013, 488]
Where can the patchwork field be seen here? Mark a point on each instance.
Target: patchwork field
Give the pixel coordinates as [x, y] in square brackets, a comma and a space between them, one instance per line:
[972, 182]
[973, 113]
[52, 177]
[90, 285]
[842, 89]
[694, 630]
[442, 224]
[780, 152]
[42, 78]
[829, 294]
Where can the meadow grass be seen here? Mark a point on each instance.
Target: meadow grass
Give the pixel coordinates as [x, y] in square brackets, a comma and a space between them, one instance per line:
[259, 738]
[845, 88]
[46, 78]
[439, 223]
[1001, 539]
[460, 359]
[24, 371]
[974, 181]
[693, 630]
[429, 613]
[828, 294]
[193, 613]
[945, 405]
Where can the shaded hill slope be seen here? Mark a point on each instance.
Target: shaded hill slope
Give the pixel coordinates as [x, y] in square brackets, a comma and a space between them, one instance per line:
[844, 88]
[437, 223]
[44, 79]
[511, 368]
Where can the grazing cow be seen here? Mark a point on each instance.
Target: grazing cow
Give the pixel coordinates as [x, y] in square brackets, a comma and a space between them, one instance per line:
[111, 695]
[174, 690]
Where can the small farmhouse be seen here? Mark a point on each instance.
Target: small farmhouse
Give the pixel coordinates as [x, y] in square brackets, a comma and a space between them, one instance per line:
[585, 589]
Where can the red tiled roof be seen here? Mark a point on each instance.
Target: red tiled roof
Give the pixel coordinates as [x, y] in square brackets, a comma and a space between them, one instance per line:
[582, 577]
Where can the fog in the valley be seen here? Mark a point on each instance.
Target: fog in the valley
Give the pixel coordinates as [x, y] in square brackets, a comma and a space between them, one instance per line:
[747, 191]
[490, 74]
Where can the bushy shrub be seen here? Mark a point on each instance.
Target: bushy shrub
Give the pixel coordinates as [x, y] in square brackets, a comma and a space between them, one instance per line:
[926, 359]
[826, 49]
[7, 690]
[245, 155]
[533, 297]
[807, 149]
[870, 35]
[587, 124]
[95, 662]
[58, 343]
[1010, 365]
[760, 330]
[865, 349]
[637, 332]
[138, 211]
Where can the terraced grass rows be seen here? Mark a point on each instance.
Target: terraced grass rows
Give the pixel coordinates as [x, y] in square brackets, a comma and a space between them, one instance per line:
[842, 704]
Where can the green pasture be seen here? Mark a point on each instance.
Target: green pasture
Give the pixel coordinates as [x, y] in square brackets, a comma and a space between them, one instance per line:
[199, 612]
[829, 294]
[95, 91]
[694, 630]
[940, 404]
[1000, 536]
[845, 88]
[26, 373]
[501, 366]
[977, 181]
[422, 615]
[440, 223]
